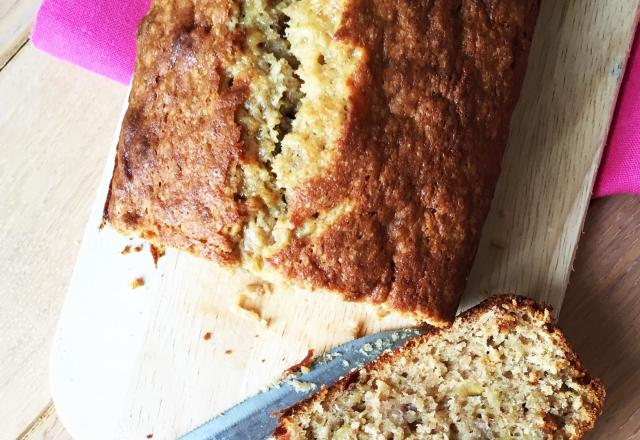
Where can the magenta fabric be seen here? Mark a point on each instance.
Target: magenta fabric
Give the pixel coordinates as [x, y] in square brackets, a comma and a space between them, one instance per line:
[620, 167]
[99, 35]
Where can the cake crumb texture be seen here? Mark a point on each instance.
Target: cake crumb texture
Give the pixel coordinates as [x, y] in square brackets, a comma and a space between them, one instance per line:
[501, 371]
[346, 145]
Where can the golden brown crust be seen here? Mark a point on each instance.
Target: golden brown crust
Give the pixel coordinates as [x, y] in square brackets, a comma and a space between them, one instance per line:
[418, 157]
[420, 153]
[179, 146]
[539, 310]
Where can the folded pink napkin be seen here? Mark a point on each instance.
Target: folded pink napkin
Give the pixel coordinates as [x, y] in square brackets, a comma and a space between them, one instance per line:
[99, 35]
[620, 167]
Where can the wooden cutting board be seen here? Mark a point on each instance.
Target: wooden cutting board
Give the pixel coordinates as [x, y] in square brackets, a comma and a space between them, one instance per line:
[165, 357]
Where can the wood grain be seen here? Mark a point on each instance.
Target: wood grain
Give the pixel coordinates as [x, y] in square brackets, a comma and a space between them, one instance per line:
[557, 135]
[46, 427]
[176, 380]
[601, 309]
[54, 120]
[16, 17]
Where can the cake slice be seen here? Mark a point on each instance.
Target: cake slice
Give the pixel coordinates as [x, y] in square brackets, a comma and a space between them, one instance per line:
[503, 370]
[351, 146]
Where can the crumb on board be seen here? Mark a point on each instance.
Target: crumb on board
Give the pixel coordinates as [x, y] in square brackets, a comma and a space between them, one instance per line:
[345, 363]
[157, 252]
[228, 351]
[128, 249]
[149, 435]
[137, 282]
[259, 288]
[263, 360]
[251, 311]
[308, 359]
[207, 336]
[359, 329]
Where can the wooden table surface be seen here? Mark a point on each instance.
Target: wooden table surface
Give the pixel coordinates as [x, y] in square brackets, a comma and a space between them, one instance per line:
[56, 124]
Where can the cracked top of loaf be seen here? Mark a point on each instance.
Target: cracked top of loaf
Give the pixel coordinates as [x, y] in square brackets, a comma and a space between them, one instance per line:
[351, 145]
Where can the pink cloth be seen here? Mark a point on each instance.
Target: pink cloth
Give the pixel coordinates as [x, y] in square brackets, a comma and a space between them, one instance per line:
[620, 167]
[99, 35]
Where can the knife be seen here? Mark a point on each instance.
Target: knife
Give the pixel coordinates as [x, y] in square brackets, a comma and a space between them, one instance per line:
[257, 417]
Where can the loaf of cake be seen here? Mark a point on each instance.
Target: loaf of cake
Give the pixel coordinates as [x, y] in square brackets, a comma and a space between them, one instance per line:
[351, 146]
[503, 370]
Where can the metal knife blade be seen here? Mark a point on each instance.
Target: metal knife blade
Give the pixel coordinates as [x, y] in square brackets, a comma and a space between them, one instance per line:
[253, 419]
